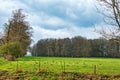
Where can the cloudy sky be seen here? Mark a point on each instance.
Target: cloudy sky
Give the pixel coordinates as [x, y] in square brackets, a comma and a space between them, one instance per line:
[56, 18]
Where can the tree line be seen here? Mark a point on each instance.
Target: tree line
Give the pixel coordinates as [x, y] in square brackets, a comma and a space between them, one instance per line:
[77, 47]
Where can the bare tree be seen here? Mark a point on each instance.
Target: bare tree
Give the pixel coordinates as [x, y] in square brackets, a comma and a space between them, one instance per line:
[111, 11]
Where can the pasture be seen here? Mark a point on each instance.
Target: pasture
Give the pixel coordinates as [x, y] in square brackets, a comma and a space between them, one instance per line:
[106, 66]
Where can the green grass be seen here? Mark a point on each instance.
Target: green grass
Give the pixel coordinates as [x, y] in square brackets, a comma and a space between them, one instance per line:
[107, 66]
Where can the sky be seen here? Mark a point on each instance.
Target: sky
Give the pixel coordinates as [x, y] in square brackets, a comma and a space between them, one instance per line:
[56, 18]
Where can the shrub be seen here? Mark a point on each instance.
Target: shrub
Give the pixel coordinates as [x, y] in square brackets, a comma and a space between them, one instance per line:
[10, 50]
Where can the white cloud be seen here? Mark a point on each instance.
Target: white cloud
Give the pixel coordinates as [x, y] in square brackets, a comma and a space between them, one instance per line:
[88, 32]
[71, 13]
[6, 8]
[46, 1]
[45, 19]
[8, 5]
[38, 17]
[55, 21]
[41, 33]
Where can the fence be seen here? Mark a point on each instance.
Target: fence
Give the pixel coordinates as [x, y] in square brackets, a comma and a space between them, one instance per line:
[58, 66]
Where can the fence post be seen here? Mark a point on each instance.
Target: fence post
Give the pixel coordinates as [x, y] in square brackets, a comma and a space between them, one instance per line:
[94, 69]
[39, 65]
[64, 66]
[17, 66]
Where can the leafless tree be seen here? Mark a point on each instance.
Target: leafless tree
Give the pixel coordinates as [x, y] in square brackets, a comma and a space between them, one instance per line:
[110, 9]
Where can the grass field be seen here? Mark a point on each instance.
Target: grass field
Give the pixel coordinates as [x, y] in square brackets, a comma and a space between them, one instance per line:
[107, 66]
